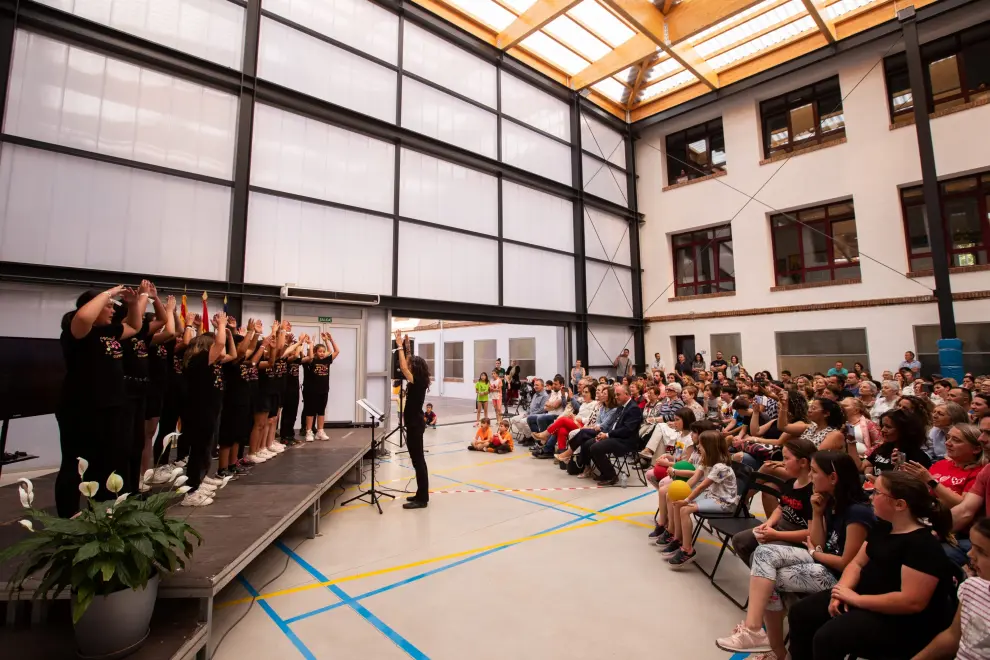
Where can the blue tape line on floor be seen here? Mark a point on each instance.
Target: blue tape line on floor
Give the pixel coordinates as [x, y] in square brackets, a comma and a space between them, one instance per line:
[281, 623]
[425, 574]
[346, 599]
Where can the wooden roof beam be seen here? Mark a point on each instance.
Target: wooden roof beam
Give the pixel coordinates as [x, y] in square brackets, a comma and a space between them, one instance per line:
[624, 56]
[532, 20]
[815, 8]
[693, 16]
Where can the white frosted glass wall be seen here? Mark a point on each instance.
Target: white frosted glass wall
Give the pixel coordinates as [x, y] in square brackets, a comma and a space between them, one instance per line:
[519, 291]
[298, 61]
[603, 141]
[377, 341]
[440, 61]
[441, 265]
[609, 290]
[257, 309]
[66, 211]
[431, 112]
[604, 181]
[74, 97]
[537, 217]
[606, 236]
[437, 191]
[317, 246]
[364, 25]
[534, 152]
[605, 342]
[538, 109]
[304, 156]
[210, 29]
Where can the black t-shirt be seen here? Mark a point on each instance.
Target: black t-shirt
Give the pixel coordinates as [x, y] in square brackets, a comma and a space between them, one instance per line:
[881, 458]
[795, 503]
[294, 369]
[276, 378]
[919, 550]
[204, 383]
[240, 381]
[718, 363]
[159, 362]
[415, 400]
[94, 366]
[837, 522]
[135, 349]
[316, 375]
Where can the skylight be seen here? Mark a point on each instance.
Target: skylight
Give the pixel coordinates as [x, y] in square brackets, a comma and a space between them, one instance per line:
[491, 14]
[669, 65]
[549, 50]
[603, 22]
[762, 43]
[579, 39]
[732, 20]
[747, 29]
[841, 7]
[519, 6]
[667, 84]
[611, 88]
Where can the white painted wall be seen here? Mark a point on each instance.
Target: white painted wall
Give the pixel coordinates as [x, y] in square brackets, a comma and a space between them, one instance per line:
[870, 168]
[550, 360]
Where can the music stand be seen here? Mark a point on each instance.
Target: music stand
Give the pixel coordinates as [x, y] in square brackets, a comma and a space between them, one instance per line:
[372, 494]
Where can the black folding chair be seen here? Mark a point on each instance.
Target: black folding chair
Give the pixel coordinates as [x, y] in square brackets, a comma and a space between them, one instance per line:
[726, 525]
[627, 464]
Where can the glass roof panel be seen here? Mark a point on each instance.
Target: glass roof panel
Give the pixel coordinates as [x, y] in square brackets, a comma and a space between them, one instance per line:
[602, 21]
[732, 20]
[611, 88]
[843, 7]
[762, 43]
[488, 12]
[669, 65]
[577, 38]
[549, 50]
[626, 75]
[676, 80]
[748, 28]
[519, 6]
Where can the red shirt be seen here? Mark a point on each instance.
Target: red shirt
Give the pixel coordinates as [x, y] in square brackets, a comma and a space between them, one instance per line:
[982, 488]
[954, 477]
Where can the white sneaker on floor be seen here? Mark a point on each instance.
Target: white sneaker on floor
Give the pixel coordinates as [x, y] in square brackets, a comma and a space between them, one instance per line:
[743, 639]
[256, 459]
[162, 474]
[197, 498]
[322, 435]
[277, 447]
[213, 481]
[309, 436]
[180, 463]
[266, 454]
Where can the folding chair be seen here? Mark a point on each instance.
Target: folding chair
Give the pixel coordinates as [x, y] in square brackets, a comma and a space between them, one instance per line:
[726, 525]
[627, 463]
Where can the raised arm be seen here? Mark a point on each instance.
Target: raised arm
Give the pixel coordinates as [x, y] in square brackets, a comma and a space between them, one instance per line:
[85, 316]
[403, 365]
[169, 329]
[218, 349]
[333, 344]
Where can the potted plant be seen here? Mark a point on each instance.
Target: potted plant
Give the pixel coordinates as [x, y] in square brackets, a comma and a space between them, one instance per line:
[110, 555]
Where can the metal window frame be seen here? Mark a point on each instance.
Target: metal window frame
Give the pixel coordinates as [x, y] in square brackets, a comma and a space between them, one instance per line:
[981, 194]
[708, 169]
[704, 242]
[789, 108]
[800, 228]
[453, 359]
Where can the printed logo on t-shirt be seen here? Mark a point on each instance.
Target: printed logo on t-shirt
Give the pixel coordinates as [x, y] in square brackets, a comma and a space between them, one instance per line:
[294, 369]
[112, 347]
[791, 508]
[218, 375]
[160, 351]
[321, 369]
[249, 372]
[280, 368]
[140, 348]
[177, 364]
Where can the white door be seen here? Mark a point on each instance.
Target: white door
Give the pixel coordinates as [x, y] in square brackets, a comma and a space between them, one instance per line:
[344, 371]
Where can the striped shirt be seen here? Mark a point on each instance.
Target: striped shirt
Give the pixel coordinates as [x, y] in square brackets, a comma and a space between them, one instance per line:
[974, 596]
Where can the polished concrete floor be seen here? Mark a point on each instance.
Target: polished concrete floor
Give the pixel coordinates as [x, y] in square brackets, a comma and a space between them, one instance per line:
[512, 559]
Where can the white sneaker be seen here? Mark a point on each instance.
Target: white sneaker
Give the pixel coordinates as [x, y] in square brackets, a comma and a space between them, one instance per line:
[277, 447]
[257, 459]
[197, 498]
[162, 474]
[213, 481]
[209, 488]
[144, 488]
[181, 463]
[274, 450]
[309, 436]
[322, 435]
[266, 454]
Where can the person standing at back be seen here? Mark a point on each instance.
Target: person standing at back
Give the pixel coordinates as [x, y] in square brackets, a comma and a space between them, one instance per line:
[577, 373]
[623, 365]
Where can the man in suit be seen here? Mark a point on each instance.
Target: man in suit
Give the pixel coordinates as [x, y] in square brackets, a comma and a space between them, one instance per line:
[620, 440]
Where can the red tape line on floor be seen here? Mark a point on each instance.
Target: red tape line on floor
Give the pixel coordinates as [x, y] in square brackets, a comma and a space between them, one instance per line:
[513, 490]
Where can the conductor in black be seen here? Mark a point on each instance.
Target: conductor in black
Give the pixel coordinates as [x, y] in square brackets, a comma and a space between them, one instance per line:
[417, 375]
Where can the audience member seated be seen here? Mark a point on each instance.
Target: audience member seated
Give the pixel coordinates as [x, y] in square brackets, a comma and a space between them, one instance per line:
[896, 595]
[944, 416]
[429, 416]
[555, 437]
[889, 394]
[864, 431]
[840, 519]
[665, 469]
[620, 440]
[666, 434]
[582, 440]
[502, 443]
[554, 406]
[483, 436]
[520, 424]
[903, 438]
[587, 415]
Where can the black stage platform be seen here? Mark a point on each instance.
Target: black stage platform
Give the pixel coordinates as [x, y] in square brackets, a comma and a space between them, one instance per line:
[247, 516]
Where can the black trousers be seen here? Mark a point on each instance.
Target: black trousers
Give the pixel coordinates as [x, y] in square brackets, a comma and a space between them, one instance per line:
[171, 405]
[290, 410]
[600, 452]
[131, 463]
[815, 635]
[200, 431]
[414, 444]
[96, 435]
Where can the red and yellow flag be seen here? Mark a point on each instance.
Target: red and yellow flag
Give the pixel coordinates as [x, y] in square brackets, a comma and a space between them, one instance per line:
[183, 312]
[205, 321]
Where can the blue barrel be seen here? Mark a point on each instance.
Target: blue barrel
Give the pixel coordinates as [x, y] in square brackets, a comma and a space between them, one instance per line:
[950, 359]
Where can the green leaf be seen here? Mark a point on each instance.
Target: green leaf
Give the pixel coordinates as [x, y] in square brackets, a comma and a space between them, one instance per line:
[140, 518]
[88, 551]
[107, 567]
[113, 545]
[143, 546]
[81, 601]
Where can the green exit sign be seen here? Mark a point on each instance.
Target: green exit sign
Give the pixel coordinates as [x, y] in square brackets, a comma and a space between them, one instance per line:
[325, 319]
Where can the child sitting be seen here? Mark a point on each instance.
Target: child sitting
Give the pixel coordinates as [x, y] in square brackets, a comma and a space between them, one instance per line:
[429, 416]
[483, 437]
[502, 443]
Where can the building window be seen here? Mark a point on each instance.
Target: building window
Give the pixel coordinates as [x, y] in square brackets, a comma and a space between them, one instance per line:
[810, 115]
[729, 343]
[976, 347]
[523, 353]
[695, 152]
[703, 261]
[818, 350]
[485, 352]
[453, 360]
[820, 247]
[956, 68]
[965, 205]
[428, 353]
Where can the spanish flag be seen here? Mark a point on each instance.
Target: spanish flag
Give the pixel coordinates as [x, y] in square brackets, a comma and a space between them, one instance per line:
[183, 312]
[205, 321]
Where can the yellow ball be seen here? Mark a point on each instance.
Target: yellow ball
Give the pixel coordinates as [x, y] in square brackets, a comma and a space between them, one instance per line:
[678, 490]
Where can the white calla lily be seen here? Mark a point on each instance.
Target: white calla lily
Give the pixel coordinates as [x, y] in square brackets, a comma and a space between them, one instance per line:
[148, 474]
[27, 484]
[115, 482]
[176, 473]
[183, 490]
[121, 499]
[225, 480]
[27, 524]
[89, 488]
[82, 466]
[172, 439]
[27, 497]
[181, 480]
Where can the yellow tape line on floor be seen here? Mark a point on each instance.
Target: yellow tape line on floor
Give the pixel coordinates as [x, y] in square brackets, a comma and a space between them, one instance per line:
[415, 564]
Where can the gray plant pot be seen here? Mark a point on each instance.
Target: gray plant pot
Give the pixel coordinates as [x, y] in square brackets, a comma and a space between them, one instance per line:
[115, 626]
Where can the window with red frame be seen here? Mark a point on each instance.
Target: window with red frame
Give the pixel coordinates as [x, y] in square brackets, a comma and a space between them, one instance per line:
[965, 205]
[816, 244]
[703, 261]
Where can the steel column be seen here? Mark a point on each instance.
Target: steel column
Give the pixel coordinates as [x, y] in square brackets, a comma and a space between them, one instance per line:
[580, 279]
[639, 341]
